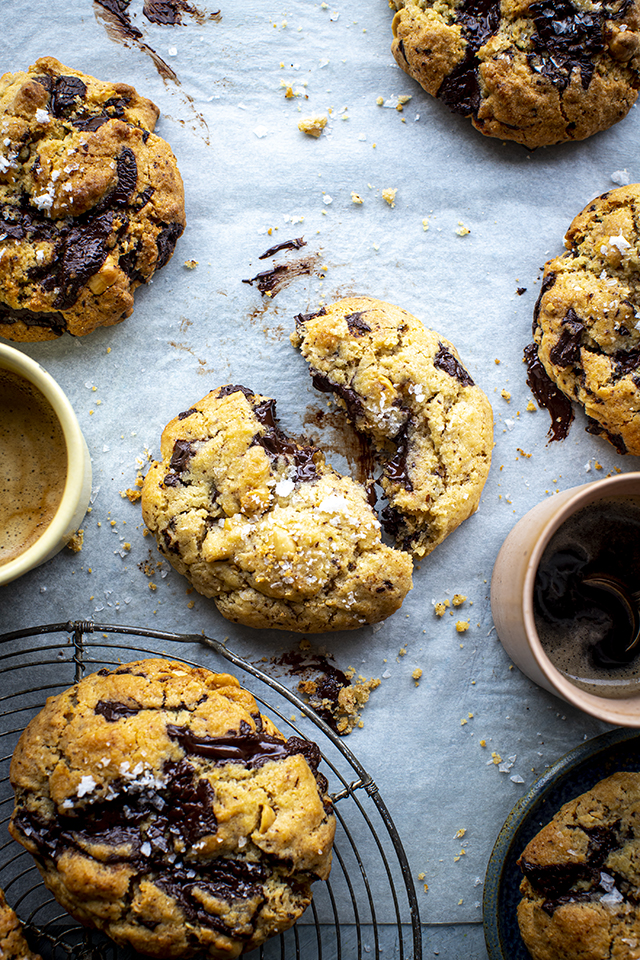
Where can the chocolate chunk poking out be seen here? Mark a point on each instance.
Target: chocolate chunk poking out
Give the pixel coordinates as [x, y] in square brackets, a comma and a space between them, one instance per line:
[446, 361]
[547, 395]
[567, 349]
[357, 326]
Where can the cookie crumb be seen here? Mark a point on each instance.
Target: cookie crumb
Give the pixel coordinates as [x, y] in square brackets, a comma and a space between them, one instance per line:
[531, 407]
[356, 198]
[462, 626]
[458, 599]
[312, 126]
[191, 264]
[76, 541]
[131, 494]
[389, 195]
[505, 395]
[462, 231]
[416, 675]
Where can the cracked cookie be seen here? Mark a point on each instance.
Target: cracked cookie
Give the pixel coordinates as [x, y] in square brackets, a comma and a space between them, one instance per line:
[162, 808]
[91, 201]
[586, 323]
[262, 525]
[13, 945]
[537, 73]
[403, 386]
[581, 883]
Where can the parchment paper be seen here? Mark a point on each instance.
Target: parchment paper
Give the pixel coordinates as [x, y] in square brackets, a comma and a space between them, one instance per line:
[253, 179]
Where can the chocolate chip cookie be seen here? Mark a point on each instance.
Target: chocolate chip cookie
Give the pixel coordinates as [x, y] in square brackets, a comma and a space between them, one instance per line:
[91, 201]
[581, 883]
[404, 387]
[534, 72]
[587, 319]
[262, 525]
[162, 808]
[13, 945]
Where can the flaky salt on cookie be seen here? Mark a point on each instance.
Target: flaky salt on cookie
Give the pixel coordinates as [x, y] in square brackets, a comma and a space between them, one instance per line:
[164, 809]
[264, 526]
[91, 201]
[404, 387]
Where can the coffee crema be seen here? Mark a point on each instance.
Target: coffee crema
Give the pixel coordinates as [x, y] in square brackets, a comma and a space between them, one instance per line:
[33, 465]
[585, 630]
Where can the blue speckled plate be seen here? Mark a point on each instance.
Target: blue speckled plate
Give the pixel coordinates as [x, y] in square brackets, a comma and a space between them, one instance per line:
[570, 776]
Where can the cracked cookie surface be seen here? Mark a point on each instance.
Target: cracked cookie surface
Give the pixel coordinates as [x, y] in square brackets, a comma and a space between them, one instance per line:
[91, 201]
[581, 883]
[262, 525]
[534, 72]
[13, 945]
[403, 386]
[587, 320]
[162, 808]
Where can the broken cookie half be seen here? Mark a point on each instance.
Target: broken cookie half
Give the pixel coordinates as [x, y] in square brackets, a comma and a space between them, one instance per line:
[405, 389]
[264, 526]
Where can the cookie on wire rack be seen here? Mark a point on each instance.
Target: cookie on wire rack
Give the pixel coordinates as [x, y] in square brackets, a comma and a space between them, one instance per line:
[164, 809]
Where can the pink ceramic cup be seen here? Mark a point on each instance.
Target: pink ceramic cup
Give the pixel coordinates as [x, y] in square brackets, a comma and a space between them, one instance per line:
[512, 596]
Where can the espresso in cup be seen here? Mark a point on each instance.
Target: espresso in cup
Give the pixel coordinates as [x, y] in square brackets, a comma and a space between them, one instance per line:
[33, 465]
[584, 611]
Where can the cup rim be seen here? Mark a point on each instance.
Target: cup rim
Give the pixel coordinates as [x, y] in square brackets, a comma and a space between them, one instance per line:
[20, 363]
[611, 710]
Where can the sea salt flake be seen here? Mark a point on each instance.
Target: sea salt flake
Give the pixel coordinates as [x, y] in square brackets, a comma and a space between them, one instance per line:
[86, 785]
[42, 116]
[620, 242]
[620, 176]
[284, 487]
[145, 849]
[261, 132]
[333, 504]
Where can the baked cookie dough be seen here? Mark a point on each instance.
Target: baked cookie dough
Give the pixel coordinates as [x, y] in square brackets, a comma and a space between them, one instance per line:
[581, 886]
[13, 945]
[537, 73]
[263, 525]
[162, 808]
[587, 319]
[91, 201]
[405, 388]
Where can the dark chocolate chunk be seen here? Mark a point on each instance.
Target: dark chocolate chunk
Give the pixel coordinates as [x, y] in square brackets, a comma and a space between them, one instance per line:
[186, 413]
[166, 242]
[54, 321]
[547, 395]
[446, 361]
[64, 92]
[80, 254]
[565, 39]
[235, 388]
[350, 397]
[357, 326]
[277, 444]
[183, 450]
[567, 349]
[301, 318]
[285, 245]
[127, 170]
[250, 749]
[113, 710]
[396, 468]
[598, 430]
[479, 20]
[625, 361]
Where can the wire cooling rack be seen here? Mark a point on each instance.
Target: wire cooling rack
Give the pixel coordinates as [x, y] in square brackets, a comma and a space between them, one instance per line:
[370, 868]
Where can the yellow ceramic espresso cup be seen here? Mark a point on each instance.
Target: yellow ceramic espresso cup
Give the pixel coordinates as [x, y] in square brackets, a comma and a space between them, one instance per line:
[45, 467]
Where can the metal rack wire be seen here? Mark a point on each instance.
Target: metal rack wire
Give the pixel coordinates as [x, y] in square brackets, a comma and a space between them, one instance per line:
[370, 867]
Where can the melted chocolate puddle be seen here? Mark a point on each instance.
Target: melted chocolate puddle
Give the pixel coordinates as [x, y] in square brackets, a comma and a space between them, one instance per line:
[547, 395]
